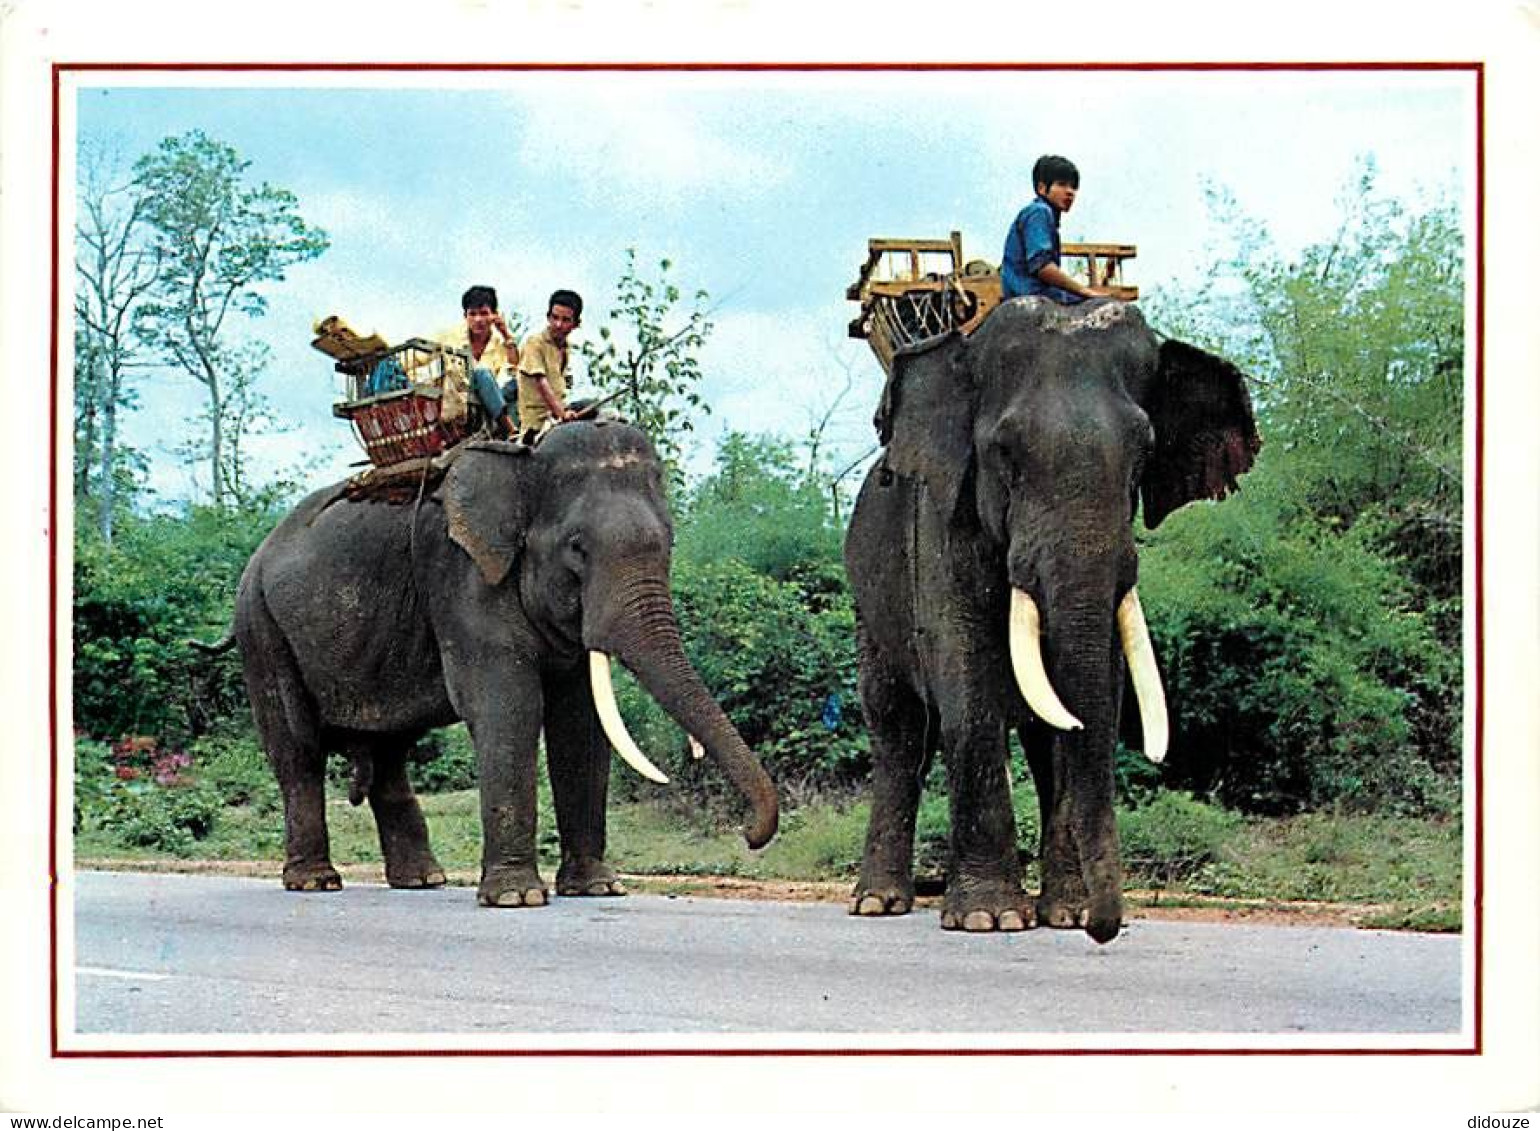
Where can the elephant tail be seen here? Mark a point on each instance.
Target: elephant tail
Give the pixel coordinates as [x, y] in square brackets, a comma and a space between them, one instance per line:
[223, 644]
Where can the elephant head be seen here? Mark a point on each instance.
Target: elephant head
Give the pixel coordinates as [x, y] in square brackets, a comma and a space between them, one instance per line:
[1052, 423]
[578, 530]
[1031, 444]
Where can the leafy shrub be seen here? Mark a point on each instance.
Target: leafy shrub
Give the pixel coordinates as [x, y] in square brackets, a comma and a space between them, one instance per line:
[141, 794]
[233, 765]
[165, 578]
[783, 672]
[1173, 835]
[444, 761]
[1296, 669]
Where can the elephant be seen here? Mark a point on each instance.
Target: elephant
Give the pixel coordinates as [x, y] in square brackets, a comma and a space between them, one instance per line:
[993, 566]
[496, 597]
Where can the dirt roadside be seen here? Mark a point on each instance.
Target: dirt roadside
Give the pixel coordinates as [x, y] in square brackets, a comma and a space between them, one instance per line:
[1141, 904]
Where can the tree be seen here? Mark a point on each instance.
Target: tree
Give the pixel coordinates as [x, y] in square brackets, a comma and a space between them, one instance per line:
[244, 412]
[218, 240]
[648, 354]
[1312, 627]
[1358, 349]
[115, 268]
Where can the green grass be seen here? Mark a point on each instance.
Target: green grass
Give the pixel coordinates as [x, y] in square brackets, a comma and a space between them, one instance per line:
[1401, 872]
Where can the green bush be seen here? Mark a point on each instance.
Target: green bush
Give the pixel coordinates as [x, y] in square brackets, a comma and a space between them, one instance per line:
[444, 761]
[1298, 672]
[233, 765]
[783, 672]
[1169, 838]
[143, 796]
[165, 578]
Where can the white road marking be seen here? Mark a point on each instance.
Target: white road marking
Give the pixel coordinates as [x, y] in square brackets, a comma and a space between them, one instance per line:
[134, 975]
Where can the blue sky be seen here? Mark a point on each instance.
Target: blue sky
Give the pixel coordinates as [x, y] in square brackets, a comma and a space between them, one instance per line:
[761, 188]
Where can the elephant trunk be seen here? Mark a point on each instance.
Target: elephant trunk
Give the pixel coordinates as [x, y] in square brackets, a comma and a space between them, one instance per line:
[1026, 650]
[1083, 652]
[640, 630]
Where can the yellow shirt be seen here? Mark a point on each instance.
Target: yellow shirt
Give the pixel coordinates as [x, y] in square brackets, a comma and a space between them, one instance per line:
[539, 356]
[494, 355]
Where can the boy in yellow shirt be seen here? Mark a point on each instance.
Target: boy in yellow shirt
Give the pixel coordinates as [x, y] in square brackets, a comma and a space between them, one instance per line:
[494, 357]
[542, 366]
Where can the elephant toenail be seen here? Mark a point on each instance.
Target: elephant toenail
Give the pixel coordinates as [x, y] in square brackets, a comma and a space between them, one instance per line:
[979, 921]
[1012, 921]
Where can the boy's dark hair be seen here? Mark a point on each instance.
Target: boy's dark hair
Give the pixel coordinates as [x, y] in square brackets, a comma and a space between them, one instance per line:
[570, 299]
[1051, 170]
[479, 296]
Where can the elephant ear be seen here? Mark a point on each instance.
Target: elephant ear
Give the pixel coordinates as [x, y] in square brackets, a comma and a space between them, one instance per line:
[925, 420]
[489, 501]
[1205, 430]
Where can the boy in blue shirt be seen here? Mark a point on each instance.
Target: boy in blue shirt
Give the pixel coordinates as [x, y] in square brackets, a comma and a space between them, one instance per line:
[1030, 263]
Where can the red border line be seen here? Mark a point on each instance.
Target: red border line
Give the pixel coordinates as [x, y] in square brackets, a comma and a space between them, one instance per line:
[53, 586]
[739, 1053]
[1197, 67]
[1479, 504]
[1478, 881]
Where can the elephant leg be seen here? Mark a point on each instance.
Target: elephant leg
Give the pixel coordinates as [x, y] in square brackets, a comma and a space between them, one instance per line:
[502, 707]
[904, 737]
[1062, 898]
[409, 861]
[983, 891]
[578, 758]
[290, 732]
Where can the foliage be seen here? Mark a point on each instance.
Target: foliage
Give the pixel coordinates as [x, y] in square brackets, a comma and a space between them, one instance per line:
[783, 670]
[1167, 840]
[444, 761]
[760, 509]
[114, 269]
[1297, 669]
[166, 578]
[143, 795]
[647, 352]
[1311, 628]
[217, 240]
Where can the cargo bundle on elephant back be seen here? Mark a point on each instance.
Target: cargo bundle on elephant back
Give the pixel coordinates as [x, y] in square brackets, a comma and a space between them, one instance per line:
[993, 564]
[915, 291]
[405, 402]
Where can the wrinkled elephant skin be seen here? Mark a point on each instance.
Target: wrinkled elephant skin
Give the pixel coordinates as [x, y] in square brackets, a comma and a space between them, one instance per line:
[363, 624]
[1014, 460]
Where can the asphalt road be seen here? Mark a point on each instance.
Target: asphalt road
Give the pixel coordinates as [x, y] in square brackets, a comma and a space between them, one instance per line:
[158, 954]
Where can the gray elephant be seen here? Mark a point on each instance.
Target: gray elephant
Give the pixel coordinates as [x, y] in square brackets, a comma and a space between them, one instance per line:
[497, 598]
[993, 563]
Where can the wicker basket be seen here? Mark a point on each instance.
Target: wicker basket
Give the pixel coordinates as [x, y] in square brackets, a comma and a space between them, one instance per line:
[429, 414]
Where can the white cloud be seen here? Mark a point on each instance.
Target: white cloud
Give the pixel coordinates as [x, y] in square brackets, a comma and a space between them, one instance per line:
[636, 142]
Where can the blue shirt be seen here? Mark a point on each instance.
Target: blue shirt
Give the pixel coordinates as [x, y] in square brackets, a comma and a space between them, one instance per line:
[1030, 245]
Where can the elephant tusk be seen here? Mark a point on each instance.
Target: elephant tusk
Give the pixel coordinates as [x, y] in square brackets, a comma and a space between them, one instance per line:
[697, 751]
[1135, 634]
[1027, 664]
[614, 726]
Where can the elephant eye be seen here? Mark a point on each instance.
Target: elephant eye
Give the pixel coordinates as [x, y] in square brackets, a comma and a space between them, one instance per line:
[576, 548]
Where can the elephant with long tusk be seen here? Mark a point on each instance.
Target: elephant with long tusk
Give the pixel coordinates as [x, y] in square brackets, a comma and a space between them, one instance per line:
[500, 598]
[992, 558]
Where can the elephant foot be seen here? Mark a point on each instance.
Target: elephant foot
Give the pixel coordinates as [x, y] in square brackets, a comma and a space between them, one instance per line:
[311, 877]
[1060, 915]
[423, 874]
[1004, 911]
[522, 888]
[588, 877]
[1102, 923]
[877, 899]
